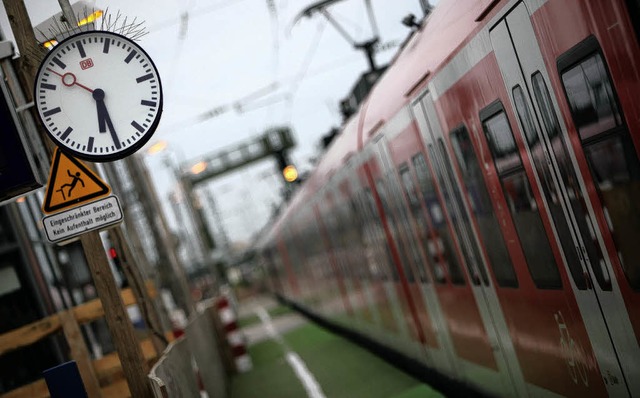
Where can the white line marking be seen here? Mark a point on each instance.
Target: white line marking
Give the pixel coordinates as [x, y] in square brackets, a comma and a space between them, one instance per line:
[309, 382]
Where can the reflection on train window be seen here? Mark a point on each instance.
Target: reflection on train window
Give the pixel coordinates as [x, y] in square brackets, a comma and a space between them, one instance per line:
[422, 231]
[611, 156]
[343, 244]
[455, 273]
[472, 253]
[591, 99]
[395, 230]
[352, 237]
[371, 249]
[410, 192]
[408, 227]
[407, 183]
[438, 241]
[523, 206]
[389, 267]
[357, 238]
[487, 223]
[332, 227]
[503, 147]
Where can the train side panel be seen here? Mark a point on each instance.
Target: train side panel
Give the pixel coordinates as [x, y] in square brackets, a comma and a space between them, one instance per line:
[491, 234]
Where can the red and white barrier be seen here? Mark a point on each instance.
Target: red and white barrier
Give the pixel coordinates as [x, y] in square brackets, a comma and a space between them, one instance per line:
[235, 337]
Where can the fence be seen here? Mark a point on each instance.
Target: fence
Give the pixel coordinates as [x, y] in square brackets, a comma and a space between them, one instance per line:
[198, 360]
[101, 377]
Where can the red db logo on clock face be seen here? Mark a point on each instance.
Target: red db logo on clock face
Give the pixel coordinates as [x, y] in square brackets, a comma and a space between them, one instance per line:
[86, 63]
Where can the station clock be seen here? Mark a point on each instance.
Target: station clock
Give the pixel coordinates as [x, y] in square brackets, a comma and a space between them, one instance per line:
[99, 96]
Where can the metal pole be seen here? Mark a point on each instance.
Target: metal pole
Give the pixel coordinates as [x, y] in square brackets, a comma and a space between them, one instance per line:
[67, 11]
[160, 230]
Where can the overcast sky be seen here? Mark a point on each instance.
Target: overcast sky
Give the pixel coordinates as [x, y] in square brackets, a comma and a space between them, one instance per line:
[227, 50]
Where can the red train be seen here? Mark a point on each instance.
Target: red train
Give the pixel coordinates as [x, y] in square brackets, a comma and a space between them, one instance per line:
[481, 212]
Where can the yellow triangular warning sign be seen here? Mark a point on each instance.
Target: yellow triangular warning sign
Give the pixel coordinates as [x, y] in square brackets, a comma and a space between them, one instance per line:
[71, 183]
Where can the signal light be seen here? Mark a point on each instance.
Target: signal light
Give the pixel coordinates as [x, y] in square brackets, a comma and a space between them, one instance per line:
[290, 173]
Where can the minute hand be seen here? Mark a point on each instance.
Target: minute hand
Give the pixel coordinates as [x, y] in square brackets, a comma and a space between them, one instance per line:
[104, 121]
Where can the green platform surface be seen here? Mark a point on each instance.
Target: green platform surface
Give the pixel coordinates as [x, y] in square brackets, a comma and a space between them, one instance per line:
[341, 368]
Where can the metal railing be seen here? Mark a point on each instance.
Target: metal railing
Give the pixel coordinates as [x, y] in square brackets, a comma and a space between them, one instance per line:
[197, 360]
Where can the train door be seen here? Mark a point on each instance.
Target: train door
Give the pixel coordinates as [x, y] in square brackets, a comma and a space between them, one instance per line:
[342, 308]
[321, 296]
[434, 248]
[506, 363]
[336, 246]
[366, 258]
[292, 241]
[383, 275]
[290, 287]
[593, 279]
[390, 193]
[400, 274]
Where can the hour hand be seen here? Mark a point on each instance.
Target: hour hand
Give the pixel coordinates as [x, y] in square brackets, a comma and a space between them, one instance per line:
[98, 95]
[102, 116]
[104, 121]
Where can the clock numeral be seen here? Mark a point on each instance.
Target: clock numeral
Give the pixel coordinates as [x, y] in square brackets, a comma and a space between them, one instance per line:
[83, 54]
[59, 63]
[137, 126]
[51, 112]
[130, 56]
[105, 49]
[48, 86]
[66, 133]
[90, 144]
[144, 78]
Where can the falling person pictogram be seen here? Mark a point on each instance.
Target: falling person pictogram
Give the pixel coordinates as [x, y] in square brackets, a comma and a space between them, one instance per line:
[75, 179]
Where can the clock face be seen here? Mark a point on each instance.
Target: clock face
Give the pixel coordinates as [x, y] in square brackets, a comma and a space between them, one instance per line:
[99, 96]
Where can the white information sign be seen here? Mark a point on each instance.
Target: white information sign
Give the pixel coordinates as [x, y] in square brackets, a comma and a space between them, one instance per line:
[93, 216]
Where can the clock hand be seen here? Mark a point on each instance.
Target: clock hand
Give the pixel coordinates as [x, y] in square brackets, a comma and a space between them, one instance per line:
[104, 120]
[69, 79]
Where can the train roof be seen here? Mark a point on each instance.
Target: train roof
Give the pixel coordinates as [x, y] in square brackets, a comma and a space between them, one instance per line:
[451, 24]
[449, 27]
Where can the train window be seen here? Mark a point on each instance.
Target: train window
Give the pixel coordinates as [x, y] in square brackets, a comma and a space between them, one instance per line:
[520, 200]
[407, 184]
[455, 274]
[473, 257]
[408, 233]
[609, 149]
[590, 97]
[634, 14]
[503, 147]
[438, 241]
[481, 206]
[369, 244]
[331, 225]
[380, 241]
[395, 230]
[410, 192]
[357, 238]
